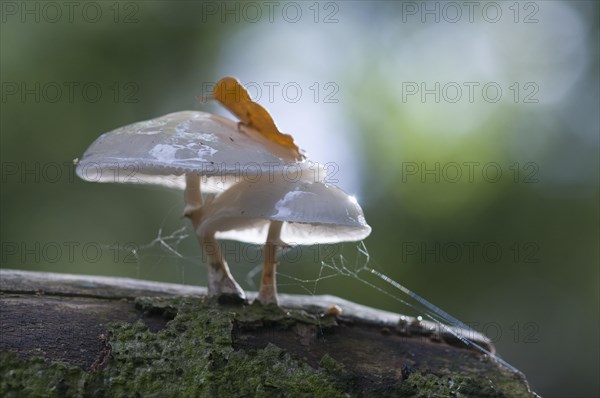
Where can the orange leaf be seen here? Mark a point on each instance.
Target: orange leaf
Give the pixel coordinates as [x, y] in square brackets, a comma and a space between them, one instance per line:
[229, 92]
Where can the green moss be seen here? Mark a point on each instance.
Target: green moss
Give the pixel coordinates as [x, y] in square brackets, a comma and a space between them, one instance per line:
[194, 356]
[265, 314]
[422, 386]
[269, 372]
[38, 378]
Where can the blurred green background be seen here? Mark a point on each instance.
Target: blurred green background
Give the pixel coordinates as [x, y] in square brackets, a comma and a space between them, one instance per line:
[469, 134]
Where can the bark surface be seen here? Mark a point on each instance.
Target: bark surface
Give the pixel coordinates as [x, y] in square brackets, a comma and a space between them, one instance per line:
[73, 335]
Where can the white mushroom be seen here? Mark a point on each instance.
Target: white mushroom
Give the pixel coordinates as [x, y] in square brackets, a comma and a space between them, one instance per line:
[273, 212]
[177, 150]
[162, 150]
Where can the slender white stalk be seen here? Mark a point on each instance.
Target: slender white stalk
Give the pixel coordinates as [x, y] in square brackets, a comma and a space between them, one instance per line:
[268, 287]
[192, 194]
[220, 280]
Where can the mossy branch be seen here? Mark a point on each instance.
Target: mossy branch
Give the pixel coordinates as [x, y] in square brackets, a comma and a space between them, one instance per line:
[68, 335]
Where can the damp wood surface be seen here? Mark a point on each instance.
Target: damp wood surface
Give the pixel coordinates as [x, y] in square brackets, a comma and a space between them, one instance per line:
[75, 335]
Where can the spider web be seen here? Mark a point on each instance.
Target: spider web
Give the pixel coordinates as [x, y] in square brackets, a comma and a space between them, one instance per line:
[165, 250]
[363, 266]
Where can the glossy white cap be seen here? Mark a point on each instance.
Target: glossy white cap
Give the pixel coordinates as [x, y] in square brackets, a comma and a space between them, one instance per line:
[312, 213]
[162, 150]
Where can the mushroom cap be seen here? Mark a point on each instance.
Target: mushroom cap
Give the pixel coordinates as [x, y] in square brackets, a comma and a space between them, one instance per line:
[311, 212]
[161, 150]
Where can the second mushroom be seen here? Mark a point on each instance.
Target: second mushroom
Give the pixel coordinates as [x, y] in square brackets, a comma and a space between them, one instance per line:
[282, 212]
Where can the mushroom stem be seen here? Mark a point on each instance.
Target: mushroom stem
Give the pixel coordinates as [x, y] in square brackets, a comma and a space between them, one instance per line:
[220, 280]
[192, 194]
[268, 287]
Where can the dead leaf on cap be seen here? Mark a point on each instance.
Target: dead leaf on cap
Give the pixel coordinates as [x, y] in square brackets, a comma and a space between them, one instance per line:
[230, 92]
